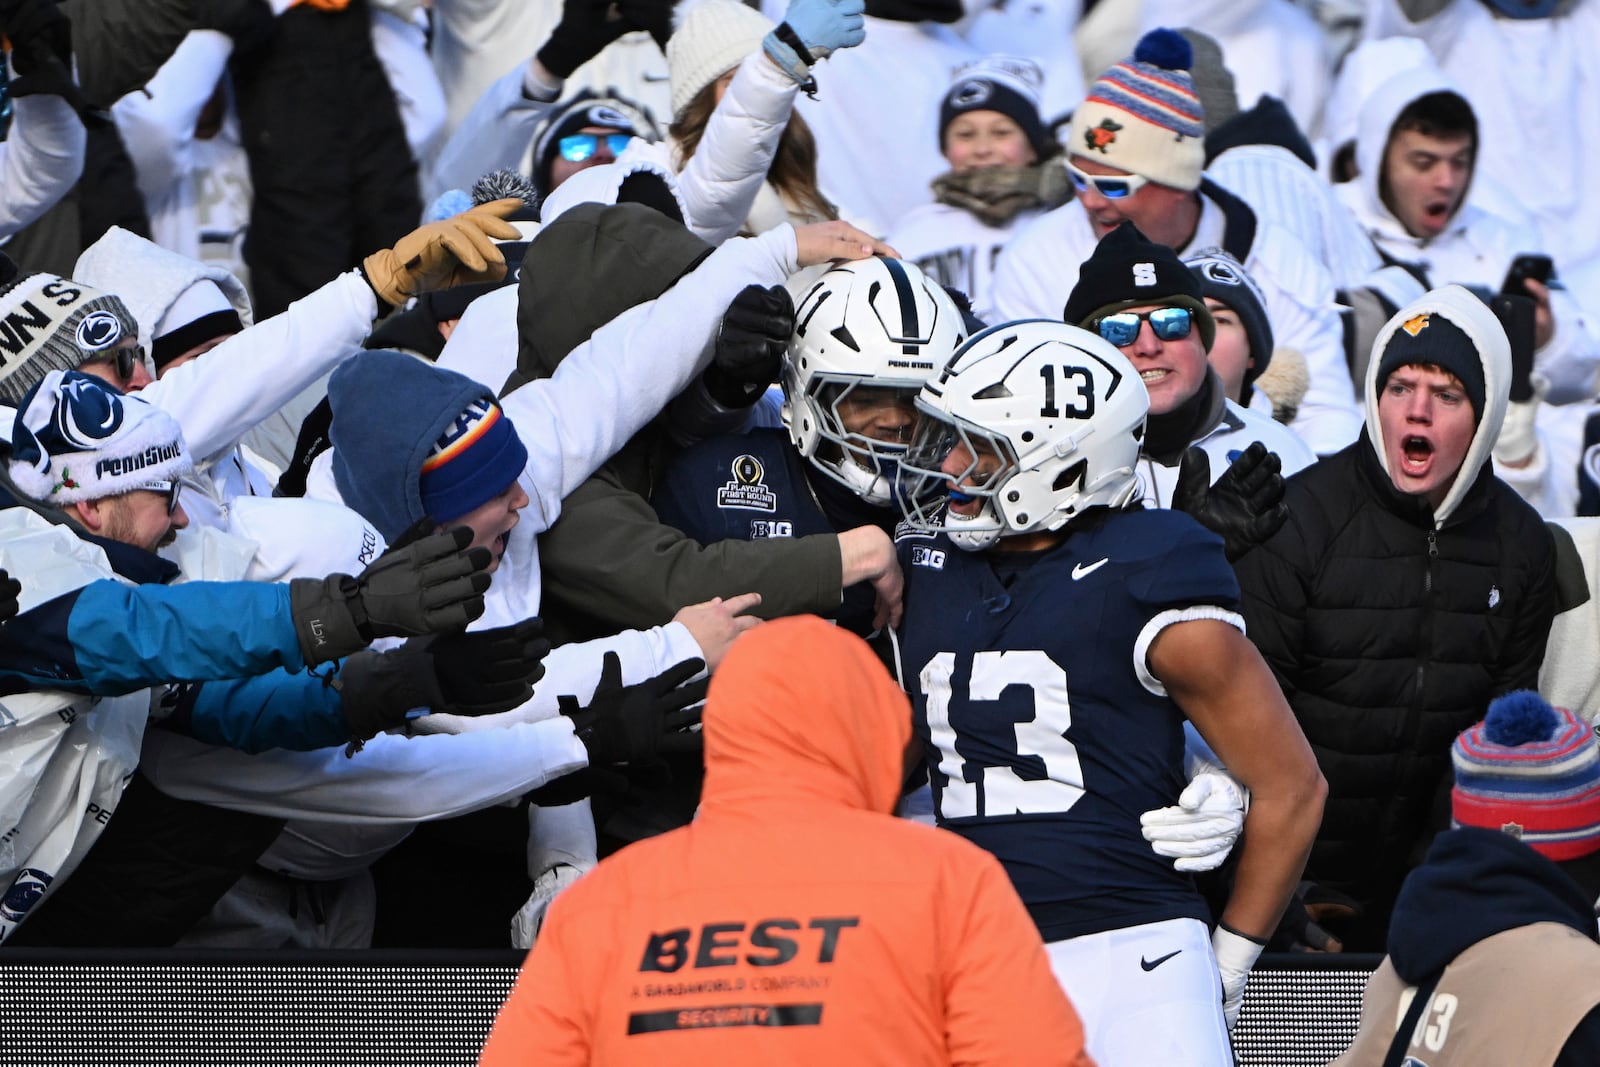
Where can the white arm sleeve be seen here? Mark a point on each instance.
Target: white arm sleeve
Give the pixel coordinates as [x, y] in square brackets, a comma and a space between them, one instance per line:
[610, 386]
[40, 160]
[392, 779]
[157, 121]
[495, 134]
[721, 180]
[252, 374]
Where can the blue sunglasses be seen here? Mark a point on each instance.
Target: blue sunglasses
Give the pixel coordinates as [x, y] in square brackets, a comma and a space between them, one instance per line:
[578, 147]
[1169, 324]
[1110, 186]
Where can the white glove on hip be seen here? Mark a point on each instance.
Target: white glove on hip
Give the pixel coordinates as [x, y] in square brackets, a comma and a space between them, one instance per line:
[1200, 830]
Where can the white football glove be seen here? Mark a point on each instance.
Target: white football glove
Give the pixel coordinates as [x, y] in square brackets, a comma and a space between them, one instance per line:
[1200, 830]
[1236, 954]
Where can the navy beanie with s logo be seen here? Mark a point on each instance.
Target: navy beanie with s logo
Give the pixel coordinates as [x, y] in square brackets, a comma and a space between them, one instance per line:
[1127, 270]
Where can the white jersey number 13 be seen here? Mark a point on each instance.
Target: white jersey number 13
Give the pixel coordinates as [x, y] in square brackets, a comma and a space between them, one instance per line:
[1004, 791]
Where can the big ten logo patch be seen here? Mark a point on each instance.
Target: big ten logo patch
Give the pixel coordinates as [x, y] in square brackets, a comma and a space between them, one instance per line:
[768, 943]
[747, 489]
[923, 556]
[763, 529]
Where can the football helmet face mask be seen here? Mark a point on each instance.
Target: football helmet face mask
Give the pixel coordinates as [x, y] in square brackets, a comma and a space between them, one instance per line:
[1031, 424]
[867, 336]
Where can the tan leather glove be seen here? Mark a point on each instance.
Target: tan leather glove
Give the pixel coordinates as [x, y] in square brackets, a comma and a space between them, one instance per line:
[459, 250]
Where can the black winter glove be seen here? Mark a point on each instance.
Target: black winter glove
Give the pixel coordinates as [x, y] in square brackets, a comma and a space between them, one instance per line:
[378, 689]
[485, 672]
[1244, 508]
[624, 724]
[652, 15]
[751, 341]
[1302, 927]
[420, 586]
[10, 590]
[586, 27]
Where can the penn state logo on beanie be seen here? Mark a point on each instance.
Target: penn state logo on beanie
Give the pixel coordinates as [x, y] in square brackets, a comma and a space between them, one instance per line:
[1127, 269]
[76, 438]
[1143, 115]
[1531, 771]
[1005, 84]
[48, 323]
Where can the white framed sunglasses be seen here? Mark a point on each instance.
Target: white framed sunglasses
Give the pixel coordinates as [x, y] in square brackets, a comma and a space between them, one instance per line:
[1110, 186]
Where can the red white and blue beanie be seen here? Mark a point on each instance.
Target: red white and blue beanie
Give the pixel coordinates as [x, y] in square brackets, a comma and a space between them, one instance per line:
[476, 459]
[1144, 116]
[76, 438]
[1531, 771]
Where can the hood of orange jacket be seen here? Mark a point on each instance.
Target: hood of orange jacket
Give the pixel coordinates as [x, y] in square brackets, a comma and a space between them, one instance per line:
[801, 709]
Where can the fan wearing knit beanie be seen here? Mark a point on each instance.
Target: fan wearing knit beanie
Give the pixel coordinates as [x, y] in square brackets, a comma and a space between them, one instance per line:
[1003, 174]
[723, 49]
[48, 323]
[1496, 928]
[1242, 346]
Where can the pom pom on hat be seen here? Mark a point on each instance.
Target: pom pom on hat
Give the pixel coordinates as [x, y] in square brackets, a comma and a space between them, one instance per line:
[1144, 116]
[1531, 771]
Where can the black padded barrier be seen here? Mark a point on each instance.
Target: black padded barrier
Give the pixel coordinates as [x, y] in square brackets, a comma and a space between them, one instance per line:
[398, 1008]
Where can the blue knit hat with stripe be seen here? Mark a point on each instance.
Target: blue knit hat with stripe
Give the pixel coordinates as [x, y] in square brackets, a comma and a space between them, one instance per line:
[1144, 116]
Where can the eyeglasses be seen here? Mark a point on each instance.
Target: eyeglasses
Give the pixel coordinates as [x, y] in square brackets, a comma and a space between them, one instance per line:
[1169, 324]
[1110, 186]
[123, 359]
[172, 489]
[577, 147]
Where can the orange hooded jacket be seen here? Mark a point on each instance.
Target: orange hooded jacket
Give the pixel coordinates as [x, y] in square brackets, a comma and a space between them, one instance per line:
[795, 921]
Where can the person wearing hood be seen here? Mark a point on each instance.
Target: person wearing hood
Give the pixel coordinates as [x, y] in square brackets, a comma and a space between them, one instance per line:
[1492, 951]
[1003, 174]
[1418, 146]
[1136, 154]
[1142, 299]
[1408, 588]
[753, 949]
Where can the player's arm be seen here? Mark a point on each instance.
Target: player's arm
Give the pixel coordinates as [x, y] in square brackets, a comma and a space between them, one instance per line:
[1217, 677]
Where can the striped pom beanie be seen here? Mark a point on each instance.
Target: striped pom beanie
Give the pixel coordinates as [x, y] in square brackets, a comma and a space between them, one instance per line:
[1143, 115]
[1531, 771]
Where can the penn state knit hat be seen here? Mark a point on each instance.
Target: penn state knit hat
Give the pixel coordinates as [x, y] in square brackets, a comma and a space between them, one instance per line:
[1127, 270]
[709, 38]
[76, 438]
[201, 313]
[1224, 279]
[1531, 771]
[1429, 337]
[586, 109]
[48, 323]
[1143, 115]
[1007, 84]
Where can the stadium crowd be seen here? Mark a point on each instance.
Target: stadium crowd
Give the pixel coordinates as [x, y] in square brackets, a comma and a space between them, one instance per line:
[841, 526]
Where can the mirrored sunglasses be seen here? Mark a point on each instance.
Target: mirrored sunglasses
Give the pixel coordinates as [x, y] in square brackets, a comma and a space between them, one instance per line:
[578, 147]
[172, 490]
[1169, 324]
[1110, 186]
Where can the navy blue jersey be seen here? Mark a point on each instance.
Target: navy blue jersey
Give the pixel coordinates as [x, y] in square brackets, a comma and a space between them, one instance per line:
[755, 485]
[1044, 735]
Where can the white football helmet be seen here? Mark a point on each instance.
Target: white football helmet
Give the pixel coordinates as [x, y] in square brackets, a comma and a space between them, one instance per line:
[1050, 418]
[862, 330]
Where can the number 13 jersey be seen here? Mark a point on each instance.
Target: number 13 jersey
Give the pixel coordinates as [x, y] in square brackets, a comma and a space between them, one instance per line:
[1044, 732]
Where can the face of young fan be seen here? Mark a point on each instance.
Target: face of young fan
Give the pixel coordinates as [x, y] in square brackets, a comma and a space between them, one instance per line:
[1230, 349]
[492, 521]
[1427, 424]
[1425, 179]
[981, 140]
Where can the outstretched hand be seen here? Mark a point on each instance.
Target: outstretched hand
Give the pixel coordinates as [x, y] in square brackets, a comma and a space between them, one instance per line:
[836, 242]
[1244, 507]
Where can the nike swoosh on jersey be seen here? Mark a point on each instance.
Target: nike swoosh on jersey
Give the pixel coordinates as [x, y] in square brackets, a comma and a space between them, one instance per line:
[1081, 571]
[1151, 965]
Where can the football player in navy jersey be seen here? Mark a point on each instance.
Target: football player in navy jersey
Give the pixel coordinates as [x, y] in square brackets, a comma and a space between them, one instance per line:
[1056, 638]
